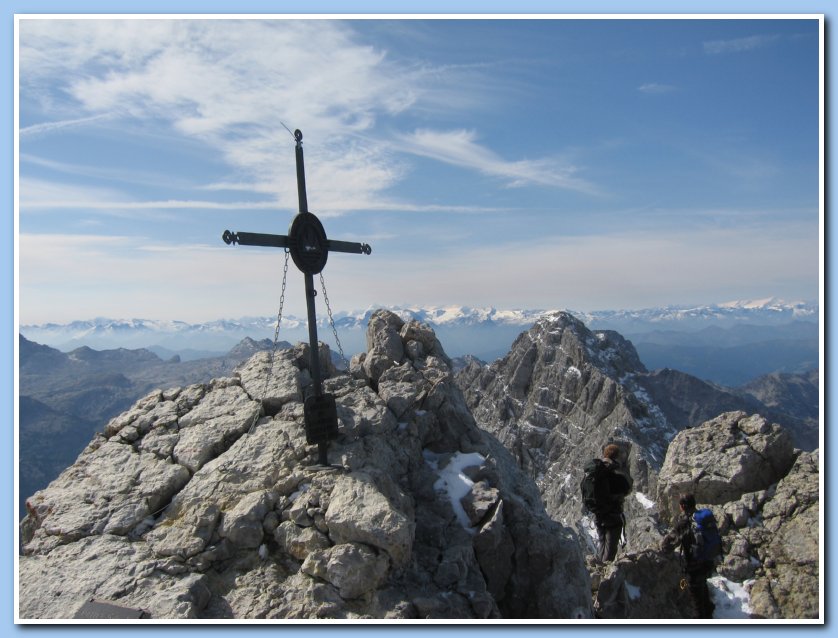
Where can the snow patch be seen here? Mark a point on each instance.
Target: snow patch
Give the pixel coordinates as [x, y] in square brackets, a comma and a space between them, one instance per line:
[644, 500]
[452, 482]
[732, 600]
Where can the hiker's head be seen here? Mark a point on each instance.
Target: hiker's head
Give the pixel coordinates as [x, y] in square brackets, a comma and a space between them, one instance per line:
[687, 502]
[611, 451]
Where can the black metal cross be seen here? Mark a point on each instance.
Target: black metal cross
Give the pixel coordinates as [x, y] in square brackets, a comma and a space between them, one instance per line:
[309, 248]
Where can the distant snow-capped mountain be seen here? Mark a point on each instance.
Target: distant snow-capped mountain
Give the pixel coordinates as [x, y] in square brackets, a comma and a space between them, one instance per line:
[771, 311]
[485, 332]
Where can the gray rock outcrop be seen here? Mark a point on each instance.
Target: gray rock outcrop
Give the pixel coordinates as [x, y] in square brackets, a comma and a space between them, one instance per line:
[563, 391]
[556, 399]
[722, 459]
[205, 502]
[764, 496]
[781, 543]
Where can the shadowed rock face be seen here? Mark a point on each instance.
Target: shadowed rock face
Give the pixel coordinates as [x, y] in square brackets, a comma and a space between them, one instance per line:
[186, 509]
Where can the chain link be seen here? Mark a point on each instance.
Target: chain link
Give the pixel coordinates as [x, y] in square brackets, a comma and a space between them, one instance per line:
[332, 322]
[276, 339]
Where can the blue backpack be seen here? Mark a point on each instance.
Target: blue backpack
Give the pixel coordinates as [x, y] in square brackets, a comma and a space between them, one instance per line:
[705, 542]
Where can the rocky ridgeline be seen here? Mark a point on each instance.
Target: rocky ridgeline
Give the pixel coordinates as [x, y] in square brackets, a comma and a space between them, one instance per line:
[184, 508]
[556, 399]
[563, 391]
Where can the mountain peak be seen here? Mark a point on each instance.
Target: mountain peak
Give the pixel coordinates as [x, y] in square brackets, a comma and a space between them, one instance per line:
[216, 509]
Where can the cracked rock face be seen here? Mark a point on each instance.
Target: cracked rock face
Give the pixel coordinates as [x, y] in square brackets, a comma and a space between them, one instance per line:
[764, 496]
[556, 399]
[206, 502]
[722, 459]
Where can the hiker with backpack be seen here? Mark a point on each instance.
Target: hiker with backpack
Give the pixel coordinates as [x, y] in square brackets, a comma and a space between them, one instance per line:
[697, 536]
[604, 487]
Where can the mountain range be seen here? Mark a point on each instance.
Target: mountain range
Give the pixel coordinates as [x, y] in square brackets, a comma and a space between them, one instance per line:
[770, 335]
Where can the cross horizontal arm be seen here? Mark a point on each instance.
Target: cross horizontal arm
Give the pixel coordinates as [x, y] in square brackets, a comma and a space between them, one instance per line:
[349, 247]
[256, 239]
[284, 241]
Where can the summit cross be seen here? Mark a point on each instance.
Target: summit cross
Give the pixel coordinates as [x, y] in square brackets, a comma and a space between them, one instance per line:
[309, 247]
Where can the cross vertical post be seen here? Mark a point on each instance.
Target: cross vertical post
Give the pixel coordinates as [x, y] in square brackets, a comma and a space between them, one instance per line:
[309, 248]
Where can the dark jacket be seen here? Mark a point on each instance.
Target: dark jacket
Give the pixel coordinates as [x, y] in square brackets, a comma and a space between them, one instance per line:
[619, 485]
[680, 537]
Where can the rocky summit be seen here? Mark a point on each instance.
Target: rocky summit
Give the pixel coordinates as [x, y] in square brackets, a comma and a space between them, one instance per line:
[206, 502]
[447, 495]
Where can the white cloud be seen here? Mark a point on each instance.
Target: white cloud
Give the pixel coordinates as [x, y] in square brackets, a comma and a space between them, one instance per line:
[39, 193]
[619, 270]
[232, 85]
[739, 45]
[123, 276]
[51, 127]
[460, 148]
[656, 88]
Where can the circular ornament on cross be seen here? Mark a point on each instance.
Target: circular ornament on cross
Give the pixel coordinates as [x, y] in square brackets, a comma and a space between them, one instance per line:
[308, 246]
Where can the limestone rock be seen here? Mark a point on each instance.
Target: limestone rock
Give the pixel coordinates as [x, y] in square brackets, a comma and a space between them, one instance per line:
[299, 542]
[354, 569]
[722, 459]
[207, 502]
[768, 512]
[360, 512]
[554, 401]
[787, 584]
[111, 489]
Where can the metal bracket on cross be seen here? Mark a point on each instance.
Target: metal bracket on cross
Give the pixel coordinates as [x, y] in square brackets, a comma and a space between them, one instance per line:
[309, 248]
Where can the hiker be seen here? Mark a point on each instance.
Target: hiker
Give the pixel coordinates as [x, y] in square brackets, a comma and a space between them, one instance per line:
[605, 486]
[699, 550]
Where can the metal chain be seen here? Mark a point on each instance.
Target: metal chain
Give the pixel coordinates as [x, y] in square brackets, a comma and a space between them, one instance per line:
[332, 322]
[276, 339]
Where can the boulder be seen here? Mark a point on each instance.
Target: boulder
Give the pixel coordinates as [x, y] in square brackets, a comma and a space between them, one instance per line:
[723, 459]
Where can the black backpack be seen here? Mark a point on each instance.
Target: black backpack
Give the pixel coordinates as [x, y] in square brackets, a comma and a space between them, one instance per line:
[705, 542]
[596, 492]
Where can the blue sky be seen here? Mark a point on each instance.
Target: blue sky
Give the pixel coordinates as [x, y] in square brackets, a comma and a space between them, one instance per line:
[68, 270]
[583, 164]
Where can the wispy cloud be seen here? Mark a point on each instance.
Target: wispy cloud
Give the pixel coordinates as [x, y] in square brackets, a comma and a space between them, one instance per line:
[739, 45]
[118, 276]
[460, 148]
[656, 88]
[43, 195]
[51, 127]
[232, 89]
[132, 175]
